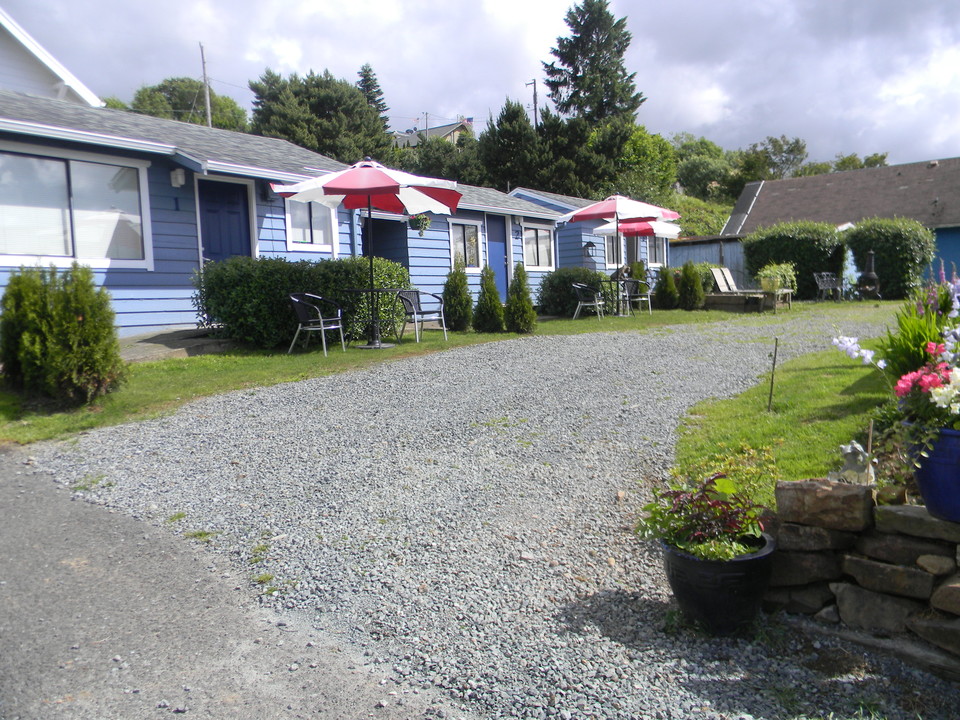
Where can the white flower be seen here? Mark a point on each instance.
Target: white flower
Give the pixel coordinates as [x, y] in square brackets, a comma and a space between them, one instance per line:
[867, 356]
[882, 364]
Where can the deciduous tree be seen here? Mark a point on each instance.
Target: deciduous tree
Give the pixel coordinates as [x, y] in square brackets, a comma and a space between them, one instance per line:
[183, 99]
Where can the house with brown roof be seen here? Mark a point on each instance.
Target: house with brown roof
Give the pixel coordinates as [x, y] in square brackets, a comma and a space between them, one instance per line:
[928, 192]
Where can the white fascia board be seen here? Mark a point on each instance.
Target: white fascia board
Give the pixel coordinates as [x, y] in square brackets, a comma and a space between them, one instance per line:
[543, 214]
[61, 133]
[255, 172]
[69, 79]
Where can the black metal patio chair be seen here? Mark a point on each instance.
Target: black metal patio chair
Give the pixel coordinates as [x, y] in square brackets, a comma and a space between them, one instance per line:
[588, 297]
[413, 302]
[316, 314]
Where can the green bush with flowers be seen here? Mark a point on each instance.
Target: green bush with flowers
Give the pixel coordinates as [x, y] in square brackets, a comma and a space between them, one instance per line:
[920, 360]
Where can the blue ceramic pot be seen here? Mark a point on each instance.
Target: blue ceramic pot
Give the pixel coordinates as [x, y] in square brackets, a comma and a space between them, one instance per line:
[938, 476]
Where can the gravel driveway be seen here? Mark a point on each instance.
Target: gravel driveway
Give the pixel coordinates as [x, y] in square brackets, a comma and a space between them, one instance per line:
[462, 523]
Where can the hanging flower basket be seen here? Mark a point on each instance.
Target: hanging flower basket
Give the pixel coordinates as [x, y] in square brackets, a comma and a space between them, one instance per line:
[420, 222]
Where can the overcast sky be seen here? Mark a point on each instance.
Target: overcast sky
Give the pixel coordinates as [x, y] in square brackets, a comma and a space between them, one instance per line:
[846, 76]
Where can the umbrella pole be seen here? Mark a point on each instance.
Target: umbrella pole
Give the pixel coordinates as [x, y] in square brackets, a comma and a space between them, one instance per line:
[375, 315]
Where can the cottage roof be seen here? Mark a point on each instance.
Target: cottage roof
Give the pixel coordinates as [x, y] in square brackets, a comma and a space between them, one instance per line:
[483, 198]
[928, 192]
[568, 201]
[195, 146]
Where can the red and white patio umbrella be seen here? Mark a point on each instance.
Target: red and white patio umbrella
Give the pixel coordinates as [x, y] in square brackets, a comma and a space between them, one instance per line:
[640, 228]
[620, 210]
[372, 185]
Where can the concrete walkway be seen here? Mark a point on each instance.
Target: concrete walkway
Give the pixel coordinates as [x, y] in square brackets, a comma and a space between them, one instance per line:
[103, 616]
[171, 344]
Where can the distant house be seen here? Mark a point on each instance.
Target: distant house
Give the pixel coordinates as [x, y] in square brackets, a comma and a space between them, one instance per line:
[928, 192]
[450, 132]
[26, 67]
[579, 244]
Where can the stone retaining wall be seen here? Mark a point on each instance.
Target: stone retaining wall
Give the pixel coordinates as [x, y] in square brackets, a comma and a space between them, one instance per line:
[883, 569]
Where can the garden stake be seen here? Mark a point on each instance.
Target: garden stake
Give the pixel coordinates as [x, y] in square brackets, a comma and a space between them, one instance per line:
[773, 371]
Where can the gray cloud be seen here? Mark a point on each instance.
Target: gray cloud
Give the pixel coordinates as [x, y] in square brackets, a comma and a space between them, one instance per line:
[844, 75]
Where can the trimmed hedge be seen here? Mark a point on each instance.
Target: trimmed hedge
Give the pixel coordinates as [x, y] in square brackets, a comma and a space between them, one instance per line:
[811, 247]
[902, 250]
[57, 337]
[556, 295]
[248, 299]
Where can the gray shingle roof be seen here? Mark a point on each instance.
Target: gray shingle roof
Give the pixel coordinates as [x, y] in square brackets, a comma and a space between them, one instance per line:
[568, 200]
[483, 198]
[928, 192]
[199, 142]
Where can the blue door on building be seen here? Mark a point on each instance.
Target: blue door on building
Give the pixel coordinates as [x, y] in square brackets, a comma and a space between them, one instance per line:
[224, 219]
[497, 252]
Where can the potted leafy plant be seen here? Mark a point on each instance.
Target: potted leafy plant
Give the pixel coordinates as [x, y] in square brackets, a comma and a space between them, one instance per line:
[774, 276]
[716, 556]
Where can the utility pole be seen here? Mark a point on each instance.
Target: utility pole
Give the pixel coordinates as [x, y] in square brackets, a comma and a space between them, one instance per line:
[534, 83]
[206, 86]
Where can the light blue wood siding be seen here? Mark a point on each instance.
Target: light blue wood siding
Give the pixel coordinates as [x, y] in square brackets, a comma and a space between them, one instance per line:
[728, 253]
[145, 300]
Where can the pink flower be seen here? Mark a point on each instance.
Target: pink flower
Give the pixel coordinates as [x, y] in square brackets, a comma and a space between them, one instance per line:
[935, 349]
[905, 383]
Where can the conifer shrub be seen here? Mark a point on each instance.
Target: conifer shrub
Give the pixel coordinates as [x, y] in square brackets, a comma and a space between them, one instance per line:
[488, 314]
[57, 337]
[665, 294]
[690, 293]
[519, 314]
[638, 271]
[457, 302]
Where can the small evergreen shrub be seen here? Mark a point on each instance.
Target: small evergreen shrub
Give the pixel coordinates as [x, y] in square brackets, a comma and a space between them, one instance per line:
[488, 314]
[556, 295]
[705, 271]
[902, 249]
[247, 299]
[638, 271]
[690, 290]
[519, 315]
[665, 293]
[811, 247]
[57, 338]
[457, 302]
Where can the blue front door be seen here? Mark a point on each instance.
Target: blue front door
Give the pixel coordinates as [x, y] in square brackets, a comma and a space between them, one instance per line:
[224, 220]
[497, 252]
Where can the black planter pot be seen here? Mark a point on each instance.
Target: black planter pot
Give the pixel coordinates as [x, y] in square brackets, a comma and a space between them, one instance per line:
[720, 595]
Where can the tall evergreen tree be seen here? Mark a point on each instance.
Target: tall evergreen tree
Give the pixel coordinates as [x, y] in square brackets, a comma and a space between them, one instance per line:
[588, 78]
[320, 113]
[438, 157]
[508, 149]
[370, 87]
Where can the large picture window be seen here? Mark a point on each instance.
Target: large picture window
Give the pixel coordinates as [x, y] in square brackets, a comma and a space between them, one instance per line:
[310, 226]
[537, 247]
[51, 207]
[466, 244]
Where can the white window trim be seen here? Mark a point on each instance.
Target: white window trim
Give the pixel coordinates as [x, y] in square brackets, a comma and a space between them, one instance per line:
[330, 249]
[251, 210]
[481, 242]
[553, 245]
[61, 261]
[606, 260]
